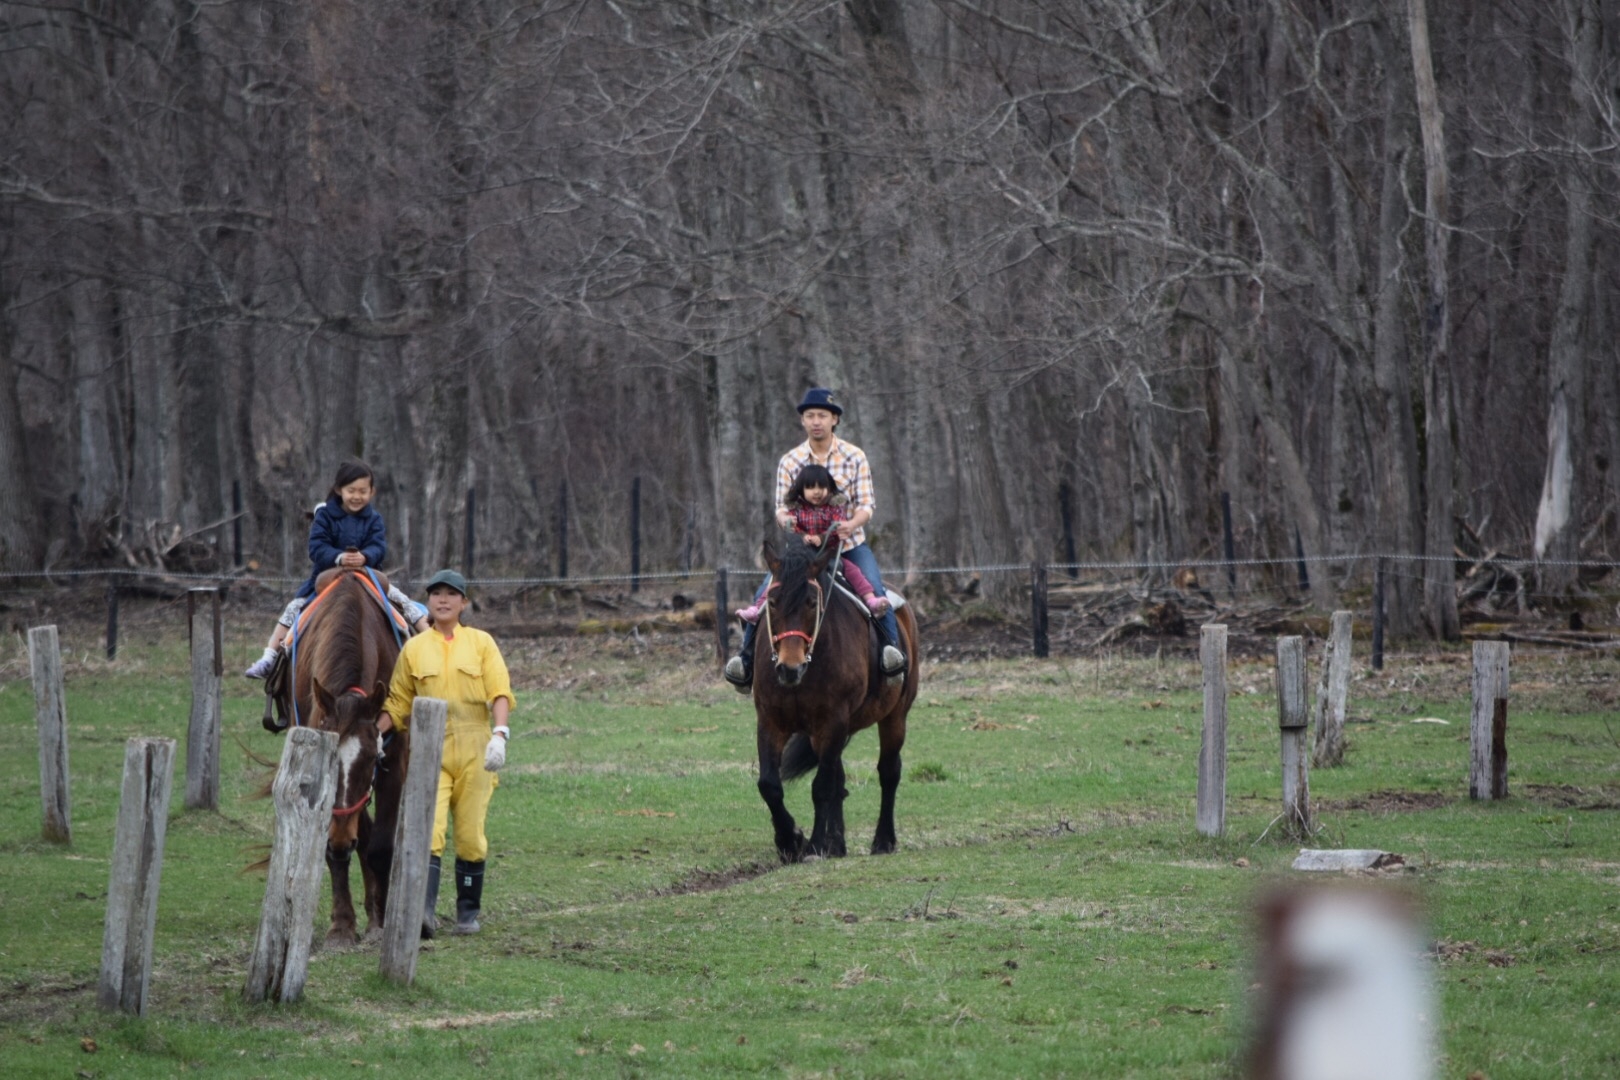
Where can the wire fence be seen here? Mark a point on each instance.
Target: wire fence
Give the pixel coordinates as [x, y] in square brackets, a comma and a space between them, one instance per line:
[1094, 599]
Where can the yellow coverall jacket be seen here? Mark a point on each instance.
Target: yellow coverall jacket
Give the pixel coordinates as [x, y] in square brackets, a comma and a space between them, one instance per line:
[469, 673]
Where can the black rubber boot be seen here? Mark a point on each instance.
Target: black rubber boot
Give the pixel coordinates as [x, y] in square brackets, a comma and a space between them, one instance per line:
[469, 896]
[430, 920]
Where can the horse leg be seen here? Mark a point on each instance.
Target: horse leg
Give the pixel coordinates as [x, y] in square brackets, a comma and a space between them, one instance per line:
[888, 770]
[373, 879]
[789, 839]
[342, 931]
[827, 792]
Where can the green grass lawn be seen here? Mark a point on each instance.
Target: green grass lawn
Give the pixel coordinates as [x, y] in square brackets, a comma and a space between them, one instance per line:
[1051, 911]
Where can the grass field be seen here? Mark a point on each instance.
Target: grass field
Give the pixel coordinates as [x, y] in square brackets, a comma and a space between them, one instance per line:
[1051, 911]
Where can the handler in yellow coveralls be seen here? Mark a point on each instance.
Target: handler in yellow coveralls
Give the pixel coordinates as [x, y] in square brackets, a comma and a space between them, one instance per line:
[463, 666]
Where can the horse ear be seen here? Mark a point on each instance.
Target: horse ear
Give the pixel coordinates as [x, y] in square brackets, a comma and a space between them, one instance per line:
[767, 551]
[824, 557]
[324, 699]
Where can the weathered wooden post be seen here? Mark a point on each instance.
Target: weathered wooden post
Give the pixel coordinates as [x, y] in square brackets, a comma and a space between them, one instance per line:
[1212, 750]
[1378, 615]
[1293, 717]
[1037, 610]
[50, 711]
[1066, 516]
[722, 622]
[305, 787]
[413, 839]
[112, 619]
[472, 530]
[207, 683]
[1228, 546]
[236, 524]
[1487, 732]
[1332, 694]
[137, 866]
[635, 534]
[562, 529]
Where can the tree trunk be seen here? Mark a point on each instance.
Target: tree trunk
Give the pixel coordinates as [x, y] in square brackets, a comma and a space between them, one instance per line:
[1439, 578]
[1558, 525]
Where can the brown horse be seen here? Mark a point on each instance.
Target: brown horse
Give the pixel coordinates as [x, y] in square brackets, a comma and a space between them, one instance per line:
[818, 684]
[343, 658]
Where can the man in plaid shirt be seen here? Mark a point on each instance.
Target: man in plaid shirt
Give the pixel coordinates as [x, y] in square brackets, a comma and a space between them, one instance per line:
[819, 414]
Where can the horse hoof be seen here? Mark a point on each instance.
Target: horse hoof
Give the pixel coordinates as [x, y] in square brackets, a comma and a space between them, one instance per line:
[340, 939]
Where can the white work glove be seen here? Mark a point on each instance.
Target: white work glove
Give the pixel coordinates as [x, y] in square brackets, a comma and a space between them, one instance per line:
[495, 753]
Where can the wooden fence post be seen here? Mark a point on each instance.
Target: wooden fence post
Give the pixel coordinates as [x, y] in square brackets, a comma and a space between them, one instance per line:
[137, 866]
[562, 529]
[1332, 694]
[1487, 731]
[635, 534]
[1212, 750]
[50, 711]
[1228, 546]
[1037, 609]
[207, 682]
[1066, 516]
[413, 839]
[112, 619]
[304, 789]
[722, 621]
[472, 530]
[1378, 615]
[1293, 717]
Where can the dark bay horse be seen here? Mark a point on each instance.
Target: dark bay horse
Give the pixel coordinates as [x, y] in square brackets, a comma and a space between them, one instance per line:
[818, 682]
[343, 657]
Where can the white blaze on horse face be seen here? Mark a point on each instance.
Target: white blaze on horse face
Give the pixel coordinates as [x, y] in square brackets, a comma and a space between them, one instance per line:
[348, 753]
[1362, 1007]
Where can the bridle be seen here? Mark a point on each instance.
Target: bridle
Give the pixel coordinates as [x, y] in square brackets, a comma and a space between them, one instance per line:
[361, 805]
[809, 639]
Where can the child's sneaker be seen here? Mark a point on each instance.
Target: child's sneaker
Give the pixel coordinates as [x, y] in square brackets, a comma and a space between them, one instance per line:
[750, 614]
[878, 605]
[260, 668]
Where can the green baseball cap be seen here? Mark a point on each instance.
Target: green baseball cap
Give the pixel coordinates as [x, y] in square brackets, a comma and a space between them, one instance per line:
[450, 578]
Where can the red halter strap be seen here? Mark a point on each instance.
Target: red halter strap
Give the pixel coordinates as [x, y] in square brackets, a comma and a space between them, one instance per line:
[356, 808]
[357, 691]
[792, 633]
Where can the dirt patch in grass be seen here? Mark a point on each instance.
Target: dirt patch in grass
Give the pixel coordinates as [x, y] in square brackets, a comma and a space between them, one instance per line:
[1390, 802]
[704, 881]
[1569, 797]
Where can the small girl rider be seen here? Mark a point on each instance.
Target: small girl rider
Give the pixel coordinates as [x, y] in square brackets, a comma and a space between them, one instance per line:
[346, 531]
[816, 507]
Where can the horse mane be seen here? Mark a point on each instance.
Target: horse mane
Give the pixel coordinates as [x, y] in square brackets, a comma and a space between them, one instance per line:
[793, 574]
[349, 617]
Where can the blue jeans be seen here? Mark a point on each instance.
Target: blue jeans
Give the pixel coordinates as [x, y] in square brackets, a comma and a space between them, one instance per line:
[867, 562]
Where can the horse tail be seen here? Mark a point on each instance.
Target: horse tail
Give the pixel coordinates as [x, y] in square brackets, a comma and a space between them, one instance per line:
[799, 757]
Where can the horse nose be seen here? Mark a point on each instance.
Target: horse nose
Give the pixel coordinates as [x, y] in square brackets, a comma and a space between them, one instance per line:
[790, 674]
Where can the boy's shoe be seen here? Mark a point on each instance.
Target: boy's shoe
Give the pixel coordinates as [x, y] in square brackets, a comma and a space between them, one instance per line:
[260, 668]
[893, 661]
[750, 614]
[877, 605]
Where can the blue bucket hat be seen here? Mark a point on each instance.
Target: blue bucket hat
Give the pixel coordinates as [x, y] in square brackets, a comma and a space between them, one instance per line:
[819, 397]
[450, 578]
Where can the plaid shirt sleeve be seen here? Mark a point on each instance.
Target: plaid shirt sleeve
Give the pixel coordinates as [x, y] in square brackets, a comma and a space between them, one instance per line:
[857, 479]
[786, 470]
